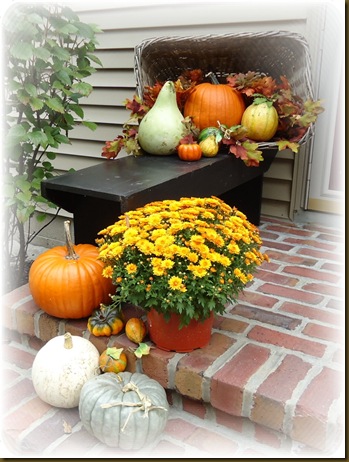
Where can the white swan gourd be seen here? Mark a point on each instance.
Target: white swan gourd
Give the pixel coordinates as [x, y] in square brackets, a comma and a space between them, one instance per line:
[161, 128]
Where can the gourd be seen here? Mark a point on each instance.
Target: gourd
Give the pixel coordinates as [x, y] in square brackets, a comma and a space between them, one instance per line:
[209, 140]
[124, 410]
[61, 368]
[261, 120]
[189, 152]
[209, 103]
[67, 282]
[161, 128]
[105, 321]
[135, 330]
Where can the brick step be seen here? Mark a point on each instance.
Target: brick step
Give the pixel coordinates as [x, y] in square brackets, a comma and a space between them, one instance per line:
[271, 386]
[275, 359]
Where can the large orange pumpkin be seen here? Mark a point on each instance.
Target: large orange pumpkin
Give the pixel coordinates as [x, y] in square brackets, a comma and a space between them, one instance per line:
[67, 282]
[209, 103]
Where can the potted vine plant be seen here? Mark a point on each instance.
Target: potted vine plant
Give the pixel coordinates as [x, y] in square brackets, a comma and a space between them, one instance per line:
[181, 261]
[48, 53]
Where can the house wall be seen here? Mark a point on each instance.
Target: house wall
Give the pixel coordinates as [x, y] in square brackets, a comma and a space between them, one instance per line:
[125, 24]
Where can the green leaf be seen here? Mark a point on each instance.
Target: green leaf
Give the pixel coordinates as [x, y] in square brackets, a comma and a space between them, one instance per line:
[284, 144]
[37, 137]
[62, 139]
[36, 104]
[91, 125]
[95, 59]
[22, 50]
[51, 155]
[42, 53]
[114, 352]
[30, 89]
[64, 77]
[40, 217]
[142, 350]
[55, 104]
[77, 109]
[82, 88]
[60, 53]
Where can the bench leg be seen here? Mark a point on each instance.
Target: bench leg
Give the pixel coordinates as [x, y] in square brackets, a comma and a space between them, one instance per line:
[247, 198]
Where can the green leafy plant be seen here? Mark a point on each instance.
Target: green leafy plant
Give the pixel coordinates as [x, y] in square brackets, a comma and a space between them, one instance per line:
[48, 53]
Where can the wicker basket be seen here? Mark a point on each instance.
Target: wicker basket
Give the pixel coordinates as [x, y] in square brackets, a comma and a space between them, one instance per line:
[273, 53]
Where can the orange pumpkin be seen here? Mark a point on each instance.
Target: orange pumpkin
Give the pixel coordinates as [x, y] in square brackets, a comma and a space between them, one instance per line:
[189, 152]
[209, 103]
[113, 360]
[67, 282]
[135, 330]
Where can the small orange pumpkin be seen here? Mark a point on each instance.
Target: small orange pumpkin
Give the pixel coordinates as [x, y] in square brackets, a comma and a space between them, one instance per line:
[135, 330]
[67, 282]
[189, 152]
[209, 103]
[105, 322]
[113, 360]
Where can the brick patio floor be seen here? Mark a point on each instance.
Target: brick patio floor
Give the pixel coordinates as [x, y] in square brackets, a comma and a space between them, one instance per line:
[269, 384]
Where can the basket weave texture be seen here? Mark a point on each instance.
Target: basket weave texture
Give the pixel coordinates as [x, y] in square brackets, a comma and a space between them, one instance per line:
[275, 53]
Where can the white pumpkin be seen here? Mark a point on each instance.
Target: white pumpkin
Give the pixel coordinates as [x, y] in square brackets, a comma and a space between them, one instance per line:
[125, 410]
[61, 368]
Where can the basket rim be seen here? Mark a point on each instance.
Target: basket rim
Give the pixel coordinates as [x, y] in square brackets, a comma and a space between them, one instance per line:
[140, 47]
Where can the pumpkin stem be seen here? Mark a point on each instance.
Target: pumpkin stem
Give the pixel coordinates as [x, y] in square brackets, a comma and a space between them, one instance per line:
[213, 78]
[72, 255]
[68, 341]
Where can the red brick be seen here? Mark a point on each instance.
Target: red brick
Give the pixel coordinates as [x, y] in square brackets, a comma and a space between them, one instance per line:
[8, 375]
[16, 295]
[268, 235]
[197, 408]
[19, 391]
[18, 356]
[273, 337]
[334, 267]
[179, 428]
[290, 230]
[311, 412]
[335, 304]
[212, 443]
[48, 326]
[271, 396]
[231, 421]
[230, 325]
[311, 243]
[165, 448]
[311, 273]
[324, 230]
[319, 254]
[40, 437]
[190, 368]
[312, 313]
[20, 419]
[228, 383]
[324, 289]
[324, 332]
[339, 356]
[76, 445]
[277, 278]
[265, 436]
[156, 365]
[295, 294]
[289, 258]
[267, 317]
[257, 299]
[270, 244]
[76, 326]
[25, 317]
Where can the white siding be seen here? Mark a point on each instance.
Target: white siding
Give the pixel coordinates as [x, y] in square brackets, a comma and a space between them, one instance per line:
[125, 24]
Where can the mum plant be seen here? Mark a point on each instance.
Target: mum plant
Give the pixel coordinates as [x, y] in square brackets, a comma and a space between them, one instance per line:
[190, 256]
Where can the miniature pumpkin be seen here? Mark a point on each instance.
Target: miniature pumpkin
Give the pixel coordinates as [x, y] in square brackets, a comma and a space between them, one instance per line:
[189, 152]
[105, 321]
[67, 282]
[124, 410]
[135, 330]
[113, 360]
[209, 103]
[261, 120]
[61, 367]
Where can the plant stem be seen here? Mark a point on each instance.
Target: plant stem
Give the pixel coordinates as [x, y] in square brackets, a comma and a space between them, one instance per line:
[71, 255]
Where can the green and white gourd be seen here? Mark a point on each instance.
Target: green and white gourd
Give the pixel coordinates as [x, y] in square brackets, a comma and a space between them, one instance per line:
[125, 410]
[161, 128]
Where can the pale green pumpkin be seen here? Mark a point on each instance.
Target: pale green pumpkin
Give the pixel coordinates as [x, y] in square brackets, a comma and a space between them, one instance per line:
[161, 128]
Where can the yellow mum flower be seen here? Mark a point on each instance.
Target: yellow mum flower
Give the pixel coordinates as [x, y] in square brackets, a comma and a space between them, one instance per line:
[131, 268]
[176, 283]
[107, 272]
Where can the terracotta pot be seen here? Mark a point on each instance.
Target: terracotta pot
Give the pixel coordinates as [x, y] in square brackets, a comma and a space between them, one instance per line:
[167, 335]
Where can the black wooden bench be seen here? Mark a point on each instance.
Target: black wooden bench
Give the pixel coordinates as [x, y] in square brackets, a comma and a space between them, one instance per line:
[98, 195]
